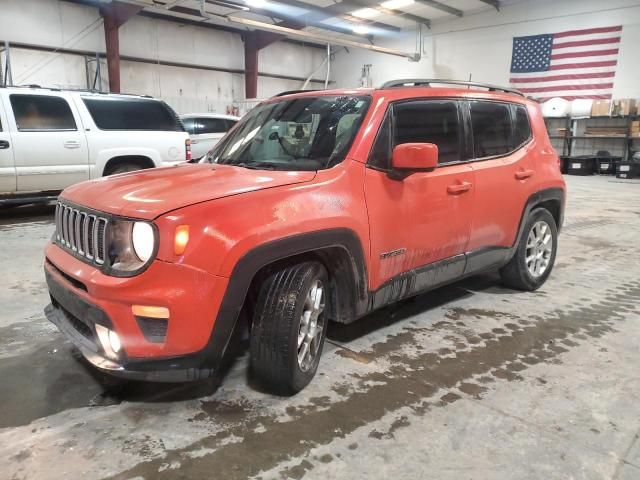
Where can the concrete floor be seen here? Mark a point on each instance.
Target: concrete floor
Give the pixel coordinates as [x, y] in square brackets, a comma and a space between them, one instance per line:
[471, 381]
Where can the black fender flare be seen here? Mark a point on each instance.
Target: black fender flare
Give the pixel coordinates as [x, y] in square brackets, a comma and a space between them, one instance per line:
[253, 261]
[535, 200]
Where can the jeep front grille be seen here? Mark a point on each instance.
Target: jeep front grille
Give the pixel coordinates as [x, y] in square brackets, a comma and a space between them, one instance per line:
[81, 232]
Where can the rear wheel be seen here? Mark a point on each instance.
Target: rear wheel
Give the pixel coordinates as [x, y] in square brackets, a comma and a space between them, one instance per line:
[123, 168]
[535, 254]
[289, 327]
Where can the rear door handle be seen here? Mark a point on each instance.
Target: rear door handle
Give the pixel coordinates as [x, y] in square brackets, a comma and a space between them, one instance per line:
[4, 145]
[71, 144]
[459, 188]
[524, 174]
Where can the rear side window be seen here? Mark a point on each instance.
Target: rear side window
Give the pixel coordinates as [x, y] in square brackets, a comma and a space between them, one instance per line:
[492, 132]
[430, 122]
[231, 124]
[132, 114]
[35, 113]
[522, 132]
[211, 125]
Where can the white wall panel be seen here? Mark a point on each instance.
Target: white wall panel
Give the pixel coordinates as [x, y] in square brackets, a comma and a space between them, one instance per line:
[59, 24]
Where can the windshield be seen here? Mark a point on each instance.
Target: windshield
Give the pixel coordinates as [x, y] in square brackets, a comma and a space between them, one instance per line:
[304, 133]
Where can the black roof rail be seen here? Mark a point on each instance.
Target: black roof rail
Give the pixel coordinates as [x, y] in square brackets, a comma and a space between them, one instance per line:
[291, 92]
[426, 82]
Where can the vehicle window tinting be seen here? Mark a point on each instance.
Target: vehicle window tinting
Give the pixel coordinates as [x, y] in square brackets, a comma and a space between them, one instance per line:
[523, 129]
[491, 124]
[211, 125]
[381, 152]
[429, 122]
[189, 125]
[132, 114]
[42, 112]
[230, 124]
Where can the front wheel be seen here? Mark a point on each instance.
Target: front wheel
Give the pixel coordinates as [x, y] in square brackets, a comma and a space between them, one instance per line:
[535, 254]
[289, 327]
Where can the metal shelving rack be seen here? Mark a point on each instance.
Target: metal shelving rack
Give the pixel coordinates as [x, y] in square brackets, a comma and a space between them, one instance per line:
[574, 128]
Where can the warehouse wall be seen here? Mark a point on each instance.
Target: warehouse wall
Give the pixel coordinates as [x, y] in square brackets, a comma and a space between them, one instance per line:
[480, 44]
[60, 24]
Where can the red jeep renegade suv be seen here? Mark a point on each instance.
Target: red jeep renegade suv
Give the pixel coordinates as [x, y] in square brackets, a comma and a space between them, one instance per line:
[317, 206]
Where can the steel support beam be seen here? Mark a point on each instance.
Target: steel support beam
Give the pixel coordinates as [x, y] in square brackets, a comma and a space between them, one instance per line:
[254, 41]
[494, 3]
[115, 14]
[441, 6]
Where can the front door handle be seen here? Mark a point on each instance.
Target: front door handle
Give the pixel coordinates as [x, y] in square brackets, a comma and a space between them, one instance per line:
[193, 142]
[71, 144]
[524, 174]
[4, 145]
[459, 188]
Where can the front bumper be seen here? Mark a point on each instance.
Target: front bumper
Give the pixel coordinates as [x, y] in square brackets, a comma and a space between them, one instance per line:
[82, 297]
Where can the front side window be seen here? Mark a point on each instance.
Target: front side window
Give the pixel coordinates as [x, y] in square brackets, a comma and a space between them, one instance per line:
[35, 113]
[115, 113]
[211, 125]
[304, 133]
[189, 125]
[430, 121]
[523, 128]
[491, 125]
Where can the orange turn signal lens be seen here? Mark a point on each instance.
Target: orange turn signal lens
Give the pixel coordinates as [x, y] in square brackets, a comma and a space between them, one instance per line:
[149, 311]
[181, 240]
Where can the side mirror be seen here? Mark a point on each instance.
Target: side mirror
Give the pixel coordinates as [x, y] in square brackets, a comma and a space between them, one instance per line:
[408, 158]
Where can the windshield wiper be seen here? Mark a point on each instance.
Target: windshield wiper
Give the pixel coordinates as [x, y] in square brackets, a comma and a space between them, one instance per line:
[256, 165]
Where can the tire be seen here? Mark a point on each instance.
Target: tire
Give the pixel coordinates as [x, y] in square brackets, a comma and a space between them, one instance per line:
[539, 240]
[287, 298]
[123, 168]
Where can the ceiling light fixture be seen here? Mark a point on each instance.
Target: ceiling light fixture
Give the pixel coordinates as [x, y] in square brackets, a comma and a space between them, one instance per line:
[395, 4]
[366, 13]
[360, 29]
[256, 3]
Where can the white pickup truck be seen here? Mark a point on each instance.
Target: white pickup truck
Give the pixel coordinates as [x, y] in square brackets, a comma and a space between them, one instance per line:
[50, 139]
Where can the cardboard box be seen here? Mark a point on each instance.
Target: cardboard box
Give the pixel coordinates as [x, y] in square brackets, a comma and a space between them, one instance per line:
[635, 126]
[601, 108]
[624, 107]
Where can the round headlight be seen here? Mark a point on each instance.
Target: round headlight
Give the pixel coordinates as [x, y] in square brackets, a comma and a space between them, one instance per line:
[143, 240]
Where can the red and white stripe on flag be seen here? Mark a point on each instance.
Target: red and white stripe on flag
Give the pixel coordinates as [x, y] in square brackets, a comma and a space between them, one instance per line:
[582, 65]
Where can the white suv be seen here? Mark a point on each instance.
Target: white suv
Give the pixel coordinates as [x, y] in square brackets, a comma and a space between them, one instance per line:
[50, 139]
[206, 129]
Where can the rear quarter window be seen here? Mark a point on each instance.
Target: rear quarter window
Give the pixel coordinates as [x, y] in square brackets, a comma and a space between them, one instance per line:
[132, 114]
[522, 132]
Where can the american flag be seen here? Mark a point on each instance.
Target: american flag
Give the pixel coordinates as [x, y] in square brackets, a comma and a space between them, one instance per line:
[573, 64]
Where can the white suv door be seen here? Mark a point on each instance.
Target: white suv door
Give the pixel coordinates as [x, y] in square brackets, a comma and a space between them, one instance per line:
[49, 144]
[7, 168]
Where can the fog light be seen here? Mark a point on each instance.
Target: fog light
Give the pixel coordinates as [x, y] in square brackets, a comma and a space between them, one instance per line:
[114, 341]
[109, 340]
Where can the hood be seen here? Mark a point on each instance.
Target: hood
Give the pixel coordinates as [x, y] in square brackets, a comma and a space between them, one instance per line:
[149, 193]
